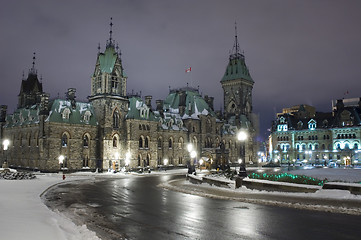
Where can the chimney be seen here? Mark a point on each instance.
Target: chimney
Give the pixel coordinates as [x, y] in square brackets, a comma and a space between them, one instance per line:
[159, 106]
[70, 95]
[209, 101]
[44, 104]
[339, 104]
[148, 101]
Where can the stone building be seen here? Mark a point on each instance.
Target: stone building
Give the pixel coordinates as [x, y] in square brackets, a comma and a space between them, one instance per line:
[306, 136]
[114, 129]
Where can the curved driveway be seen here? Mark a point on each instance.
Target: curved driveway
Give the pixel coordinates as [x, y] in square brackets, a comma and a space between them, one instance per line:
[135, 208]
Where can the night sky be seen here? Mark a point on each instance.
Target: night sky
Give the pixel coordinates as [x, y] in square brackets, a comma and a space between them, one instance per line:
[298, 52]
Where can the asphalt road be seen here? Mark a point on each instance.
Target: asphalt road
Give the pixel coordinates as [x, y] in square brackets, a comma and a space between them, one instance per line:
[136, 208]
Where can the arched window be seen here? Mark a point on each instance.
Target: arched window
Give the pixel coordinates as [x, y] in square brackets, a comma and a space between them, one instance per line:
[115, 142]
[140, 127]
[64, 140]
[140, 142]
[116, 117]
[146, 142]
[355, 146]
[159, 143]
[85, 141]
[170, 143]
[180, 143]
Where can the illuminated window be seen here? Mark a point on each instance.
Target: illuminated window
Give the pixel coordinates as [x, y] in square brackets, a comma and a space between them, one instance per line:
[312, 124]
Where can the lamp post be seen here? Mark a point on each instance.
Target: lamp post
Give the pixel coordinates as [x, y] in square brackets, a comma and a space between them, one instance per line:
[61, 160]
[6, 143]
[242, 137]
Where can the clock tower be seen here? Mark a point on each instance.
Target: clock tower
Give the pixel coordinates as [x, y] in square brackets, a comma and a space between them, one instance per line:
[237, 85]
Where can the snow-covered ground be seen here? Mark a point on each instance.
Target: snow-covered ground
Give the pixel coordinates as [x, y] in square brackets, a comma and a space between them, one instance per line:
[24, 216]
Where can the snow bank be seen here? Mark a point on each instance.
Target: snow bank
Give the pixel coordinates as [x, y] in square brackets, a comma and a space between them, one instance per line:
[24, 216]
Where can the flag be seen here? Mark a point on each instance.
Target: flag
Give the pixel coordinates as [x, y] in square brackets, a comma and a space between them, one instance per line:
[188, 70]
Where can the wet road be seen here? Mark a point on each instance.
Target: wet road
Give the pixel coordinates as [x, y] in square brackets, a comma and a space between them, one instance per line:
[135, 208]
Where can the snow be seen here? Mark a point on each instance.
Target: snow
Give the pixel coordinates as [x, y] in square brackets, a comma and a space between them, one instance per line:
[24, 216]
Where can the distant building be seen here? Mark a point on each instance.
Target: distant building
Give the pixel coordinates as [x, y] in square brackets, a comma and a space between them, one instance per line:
[304, 135]
[114, 129]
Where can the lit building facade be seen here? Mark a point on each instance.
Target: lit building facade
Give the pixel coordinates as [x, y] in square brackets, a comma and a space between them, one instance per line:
[114, 129]
[306, 136]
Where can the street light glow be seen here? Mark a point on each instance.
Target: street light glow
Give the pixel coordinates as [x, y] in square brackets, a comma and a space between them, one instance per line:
[165, 161]
[242, 135]
[193, 154]
[6, 143]
[61, 159]
[189, 147]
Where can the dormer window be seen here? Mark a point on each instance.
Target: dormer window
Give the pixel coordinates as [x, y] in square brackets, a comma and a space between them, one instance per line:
[282, 120]
[66, 113]
[312, 124]
[87, 115]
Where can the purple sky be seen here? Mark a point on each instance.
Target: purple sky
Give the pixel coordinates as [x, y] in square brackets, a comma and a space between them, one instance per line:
[298, 52]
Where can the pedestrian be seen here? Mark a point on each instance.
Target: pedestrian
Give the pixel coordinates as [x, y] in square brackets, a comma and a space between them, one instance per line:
[63, 176]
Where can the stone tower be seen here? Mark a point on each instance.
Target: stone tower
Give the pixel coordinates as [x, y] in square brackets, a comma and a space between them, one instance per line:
[108, 97]
[237, 85]
[31, 89]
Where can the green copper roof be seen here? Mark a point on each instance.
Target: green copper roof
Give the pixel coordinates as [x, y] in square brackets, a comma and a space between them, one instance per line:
[139, 110]
[23, 116]
[194, 104]
[81, 113]
[237, 69]
[107, 60]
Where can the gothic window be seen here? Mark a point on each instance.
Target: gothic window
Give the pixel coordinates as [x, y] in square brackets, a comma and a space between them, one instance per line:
[85, 141]
[146, 142]
[64, 140]
[159, 143]
[140, 142]
[170, 143]
[140, 127]
[116, 119]
[66, 113]
[180, 143]
[115, 142]
[115, 85]
[355, 146]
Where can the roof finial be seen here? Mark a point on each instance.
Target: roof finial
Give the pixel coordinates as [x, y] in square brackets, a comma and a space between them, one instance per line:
[33, 70]
[110, 42]
[111, 29]
[236, 45]
[98, 47]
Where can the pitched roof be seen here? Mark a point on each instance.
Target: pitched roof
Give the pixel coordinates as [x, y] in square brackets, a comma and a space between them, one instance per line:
[237, 69]
[77, 114]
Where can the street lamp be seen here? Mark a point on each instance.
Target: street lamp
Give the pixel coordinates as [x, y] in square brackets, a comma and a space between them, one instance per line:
[165, 161]
[6, 143]
[61, 160]
[127, 159]
[242, 137]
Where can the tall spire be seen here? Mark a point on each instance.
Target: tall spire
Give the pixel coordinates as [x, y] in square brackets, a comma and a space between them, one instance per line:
[33, 70]
[235, 50]
[110, 42]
